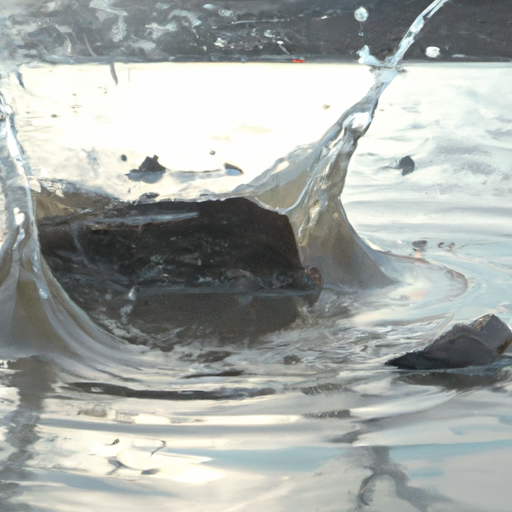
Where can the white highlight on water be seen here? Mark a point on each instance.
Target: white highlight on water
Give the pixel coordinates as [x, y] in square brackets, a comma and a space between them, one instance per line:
[432, 52]
[361, 14]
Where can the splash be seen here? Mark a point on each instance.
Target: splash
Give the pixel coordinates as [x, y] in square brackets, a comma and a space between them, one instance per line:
[37, 317]
[306, 186]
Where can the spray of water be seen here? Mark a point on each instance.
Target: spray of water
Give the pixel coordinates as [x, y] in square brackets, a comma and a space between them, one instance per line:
[305, 185]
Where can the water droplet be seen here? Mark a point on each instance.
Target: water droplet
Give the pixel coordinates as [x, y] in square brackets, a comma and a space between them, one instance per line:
[361, 14]
[432, 52]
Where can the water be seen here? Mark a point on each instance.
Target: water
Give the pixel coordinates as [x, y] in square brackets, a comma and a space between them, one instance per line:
[309, 417]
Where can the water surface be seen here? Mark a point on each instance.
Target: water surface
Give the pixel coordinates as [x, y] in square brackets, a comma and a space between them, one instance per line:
[307, 418]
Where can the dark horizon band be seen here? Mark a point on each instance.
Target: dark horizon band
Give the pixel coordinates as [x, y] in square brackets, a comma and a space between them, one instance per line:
[252, 30]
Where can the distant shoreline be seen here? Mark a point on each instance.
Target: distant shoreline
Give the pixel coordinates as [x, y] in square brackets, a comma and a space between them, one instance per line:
[255, 31]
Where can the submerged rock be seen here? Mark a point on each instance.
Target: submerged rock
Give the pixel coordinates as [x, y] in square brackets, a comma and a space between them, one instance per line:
[478, 343]
[157, 273]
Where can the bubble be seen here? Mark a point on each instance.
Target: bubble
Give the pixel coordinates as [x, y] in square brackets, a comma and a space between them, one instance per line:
[361, 14]
[19, 216]
[432, 52]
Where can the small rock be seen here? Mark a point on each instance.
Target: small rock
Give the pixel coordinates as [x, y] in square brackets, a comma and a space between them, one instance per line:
[478, 343]
[150, 171]
[420, 244]
[406, 164]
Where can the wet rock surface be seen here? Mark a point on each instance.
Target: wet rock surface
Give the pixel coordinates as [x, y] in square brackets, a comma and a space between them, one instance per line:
[160, 272]
[479, 343]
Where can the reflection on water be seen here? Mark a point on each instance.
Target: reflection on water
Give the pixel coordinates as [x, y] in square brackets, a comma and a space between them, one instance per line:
[308, 417]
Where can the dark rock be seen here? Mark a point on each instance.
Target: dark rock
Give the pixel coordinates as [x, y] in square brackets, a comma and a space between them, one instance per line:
[491, 331]
[478, 343]
[406, 164]
[158, 273]
[150, 171]
[232, 170]
[420, 244]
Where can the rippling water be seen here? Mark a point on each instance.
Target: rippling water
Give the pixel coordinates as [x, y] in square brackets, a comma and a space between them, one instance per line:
[309, 417]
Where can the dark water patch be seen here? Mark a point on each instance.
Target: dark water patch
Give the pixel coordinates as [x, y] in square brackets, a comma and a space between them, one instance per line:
[340, 415]
[227, 373]
[383, 468]
[406, 164]
[33, 380]
[457, 379]
[175, 395]
[156, 31]
[213, 356]
[322, 389]
[348, 438]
